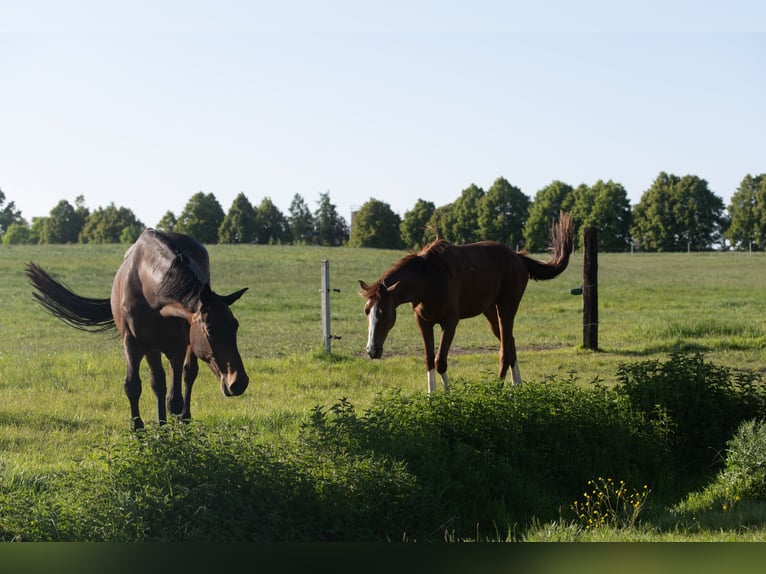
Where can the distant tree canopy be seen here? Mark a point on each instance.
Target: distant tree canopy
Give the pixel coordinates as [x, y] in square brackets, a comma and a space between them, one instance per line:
[65, 222]
[111, 224]
[675, 213]
[376, 225]
[240, 224]
[300, 220]
[747, 214]
[414, 228]
[8, 214]
[502, 213]
[604, 206]
[545, 209]
[678, 213]
[330, 228]
[271, 225]
[201, 218]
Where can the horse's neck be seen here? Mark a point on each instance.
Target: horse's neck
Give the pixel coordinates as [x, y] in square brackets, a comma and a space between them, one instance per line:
[411, 286]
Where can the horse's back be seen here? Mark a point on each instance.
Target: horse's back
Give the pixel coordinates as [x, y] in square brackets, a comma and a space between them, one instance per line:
[150, 262]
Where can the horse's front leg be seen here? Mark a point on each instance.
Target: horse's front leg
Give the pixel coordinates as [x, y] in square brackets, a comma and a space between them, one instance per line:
[191, 368]
[175, 398]
[159, 383]
[427, 332]
[445, 341]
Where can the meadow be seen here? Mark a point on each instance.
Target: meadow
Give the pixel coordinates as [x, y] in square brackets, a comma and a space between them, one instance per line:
[61, 389]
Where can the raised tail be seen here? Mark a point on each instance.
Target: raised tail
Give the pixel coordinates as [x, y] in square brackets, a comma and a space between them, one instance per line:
[562, 237]
[84, 313]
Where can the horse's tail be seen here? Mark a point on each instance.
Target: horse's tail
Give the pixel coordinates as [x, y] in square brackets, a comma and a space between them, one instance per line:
[562, 237]
[84, 313]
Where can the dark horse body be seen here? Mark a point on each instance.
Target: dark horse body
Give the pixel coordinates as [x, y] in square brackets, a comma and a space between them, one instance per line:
[161, 303]
[446, 283]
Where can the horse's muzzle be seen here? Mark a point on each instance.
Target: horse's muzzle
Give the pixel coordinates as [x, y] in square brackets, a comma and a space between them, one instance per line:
[234, 387]
[375, 352]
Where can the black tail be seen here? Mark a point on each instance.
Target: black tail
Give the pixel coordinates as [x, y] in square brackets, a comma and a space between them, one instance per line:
[84, 313]
[562, 237]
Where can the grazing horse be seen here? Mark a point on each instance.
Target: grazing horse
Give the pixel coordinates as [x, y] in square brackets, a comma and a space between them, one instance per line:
[446, 283]
[161, 303]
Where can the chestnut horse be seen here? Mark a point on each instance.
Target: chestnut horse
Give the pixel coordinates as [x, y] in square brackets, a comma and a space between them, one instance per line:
[446, 283]
[161, 303]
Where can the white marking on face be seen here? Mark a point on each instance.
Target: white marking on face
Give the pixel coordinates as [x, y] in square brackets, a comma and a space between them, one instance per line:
[372, 322]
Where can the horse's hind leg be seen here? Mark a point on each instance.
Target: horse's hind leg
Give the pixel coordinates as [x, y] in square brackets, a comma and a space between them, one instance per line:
[133, 381]
[504, 358]
[159, 383]
[502, 327]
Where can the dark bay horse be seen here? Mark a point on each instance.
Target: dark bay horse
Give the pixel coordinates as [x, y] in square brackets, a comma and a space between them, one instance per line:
[446, 283]
[161, 303]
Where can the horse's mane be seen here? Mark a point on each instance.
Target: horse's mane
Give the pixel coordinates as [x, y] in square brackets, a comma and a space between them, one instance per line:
[430, 252]
[182, 280]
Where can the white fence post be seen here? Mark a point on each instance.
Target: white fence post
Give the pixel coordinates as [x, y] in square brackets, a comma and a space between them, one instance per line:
[326, 333]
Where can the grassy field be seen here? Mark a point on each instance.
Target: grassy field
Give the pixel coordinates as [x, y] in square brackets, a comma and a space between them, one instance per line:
[61, 389]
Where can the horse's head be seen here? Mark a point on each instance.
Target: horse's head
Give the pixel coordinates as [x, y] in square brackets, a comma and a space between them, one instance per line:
[380, 309]
[213, 338]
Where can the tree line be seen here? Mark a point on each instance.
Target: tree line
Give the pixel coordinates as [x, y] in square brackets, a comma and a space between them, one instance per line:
[676, 213]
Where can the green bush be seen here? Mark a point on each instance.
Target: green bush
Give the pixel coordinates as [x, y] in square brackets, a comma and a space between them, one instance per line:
[701, 404]
[487, 455]
[189, 482]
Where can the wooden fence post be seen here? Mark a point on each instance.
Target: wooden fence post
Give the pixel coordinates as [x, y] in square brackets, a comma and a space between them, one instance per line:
[590, 289]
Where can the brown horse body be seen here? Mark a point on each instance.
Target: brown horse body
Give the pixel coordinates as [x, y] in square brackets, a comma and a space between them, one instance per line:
[161, 304]
[446, 283]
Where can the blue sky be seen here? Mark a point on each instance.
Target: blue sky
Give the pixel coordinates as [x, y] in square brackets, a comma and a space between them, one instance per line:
[146, 103]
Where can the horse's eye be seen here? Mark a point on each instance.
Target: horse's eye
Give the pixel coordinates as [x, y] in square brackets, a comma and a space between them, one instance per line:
[379, 312]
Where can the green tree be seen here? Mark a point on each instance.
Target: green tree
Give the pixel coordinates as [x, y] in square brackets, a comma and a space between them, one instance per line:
[65, 222]
[414, 227]
[376, 225]
[240, 223]
[442, 221]
[747, 213]
[300, 220]
[332, 229]
[8, 214]
[606, 207]
[503, 213]
[201, 218]
[678, 213]
[545, 208]
[271, 224]
[17, 234]
[466, 215]
[168, 222]
[111, 224]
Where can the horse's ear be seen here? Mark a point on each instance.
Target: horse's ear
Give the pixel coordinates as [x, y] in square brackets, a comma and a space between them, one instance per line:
[232, 297]
[390, 289]
[364, 286]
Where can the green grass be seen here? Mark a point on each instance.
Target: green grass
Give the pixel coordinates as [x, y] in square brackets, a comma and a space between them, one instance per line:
[61, 390]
